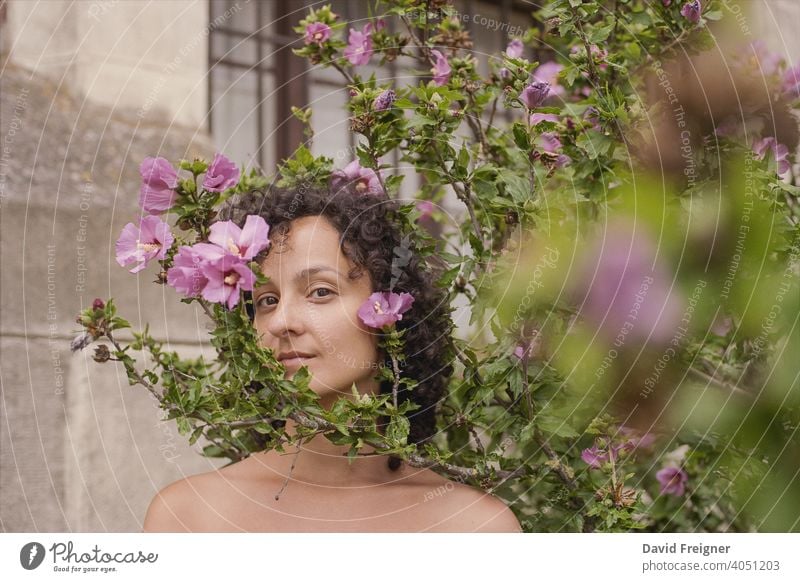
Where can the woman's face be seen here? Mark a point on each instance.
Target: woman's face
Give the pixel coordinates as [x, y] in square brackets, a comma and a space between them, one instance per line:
[309, 306]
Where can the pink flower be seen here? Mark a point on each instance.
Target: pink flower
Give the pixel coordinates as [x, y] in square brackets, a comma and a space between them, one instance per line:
[729, 127]
[548, 73]
[317, 33]
[534, 94]
[159, 180]
[221, 175]
[186, 275]
[780, 151]
[244, 243]
[635, 439]
[359, 46]
[515, 49]
[384, 308]
[226, 277]
[673, 481]
[791, 82]
[426, 208]
[523, 351]
[691, 11]
[622, 286]
[666, 2]
[550, 143]
[536, 118]
[139, 245]
[441, 70]
[364, 180]
[596, 457]
[763, 60]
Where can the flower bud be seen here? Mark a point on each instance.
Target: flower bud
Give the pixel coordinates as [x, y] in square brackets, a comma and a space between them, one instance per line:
[184, 224]
[101, 354]
[534, 94]
[385, 100]
[98, 304]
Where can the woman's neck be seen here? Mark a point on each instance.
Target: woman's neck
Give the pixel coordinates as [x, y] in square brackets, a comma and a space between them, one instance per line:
[318, 461]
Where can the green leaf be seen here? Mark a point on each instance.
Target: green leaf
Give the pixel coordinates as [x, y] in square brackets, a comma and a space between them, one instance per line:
[398, 428]
[461, 165]
[195, 435]
[213, 451]
[599, 34]
[556, 426]
[119, 323]
[521, 137]
[516, 186]
[571, 73]
[594, 143]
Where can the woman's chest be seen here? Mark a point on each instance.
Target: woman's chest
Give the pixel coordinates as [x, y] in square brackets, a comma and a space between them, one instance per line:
[298, 509]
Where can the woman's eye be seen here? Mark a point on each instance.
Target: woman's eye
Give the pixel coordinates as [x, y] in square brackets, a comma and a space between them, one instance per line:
[263, 301]
[327, 291]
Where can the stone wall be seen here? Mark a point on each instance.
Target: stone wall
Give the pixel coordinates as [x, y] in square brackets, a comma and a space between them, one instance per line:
[81, 449]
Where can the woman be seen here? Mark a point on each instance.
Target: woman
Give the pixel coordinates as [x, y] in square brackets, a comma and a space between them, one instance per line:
[329, 251]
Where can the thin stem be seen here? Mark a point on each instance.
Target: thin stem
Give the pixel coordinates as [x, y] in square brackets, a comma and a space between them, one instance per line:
[207, 310]
[139, 378]
[558, 466]
[396, 384]
[289, 474]
[344, 73]
[417, 460]
[531, 171]
[476, 126]
[718, 383]
[463, 193]
[478, 442]
[492, 112]
[592, 70]
[525, 385]
[377, 166]
[426, 51]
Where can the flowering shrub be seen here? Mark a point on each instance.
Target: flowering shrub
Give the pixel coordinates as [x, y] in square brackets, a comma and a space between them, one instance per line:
[629, 254]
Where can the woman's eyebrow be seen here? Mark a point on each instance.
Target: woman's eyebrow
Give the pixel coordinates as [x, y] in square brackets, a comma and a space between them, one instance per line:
[306, 273]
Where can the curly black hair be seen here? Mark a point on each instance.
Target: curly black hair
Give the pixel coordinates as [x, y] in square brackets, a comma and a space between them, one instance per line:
[372, 238]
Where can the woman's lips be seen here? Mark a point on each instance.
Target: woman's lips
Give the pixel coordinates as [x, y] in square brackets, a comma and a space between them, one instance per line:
[297, 361]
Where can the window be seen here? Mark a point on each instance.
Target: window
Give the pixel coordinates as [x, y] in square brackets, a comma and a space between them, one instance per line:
[255, 79]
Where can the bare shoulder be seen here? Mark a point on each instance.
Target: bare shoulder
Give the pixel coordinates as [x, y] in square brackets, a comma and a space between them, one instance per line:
[461, 508]
[178, 507]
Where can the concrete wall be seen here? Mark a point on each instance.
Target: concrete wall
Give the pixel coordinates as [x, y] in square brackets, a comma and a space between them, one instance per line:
[151, 57]
[84, 99]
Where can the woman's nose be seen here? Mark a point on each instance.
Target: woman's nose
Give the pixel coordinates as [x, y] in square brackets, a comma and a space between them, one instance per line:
[285, 319]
